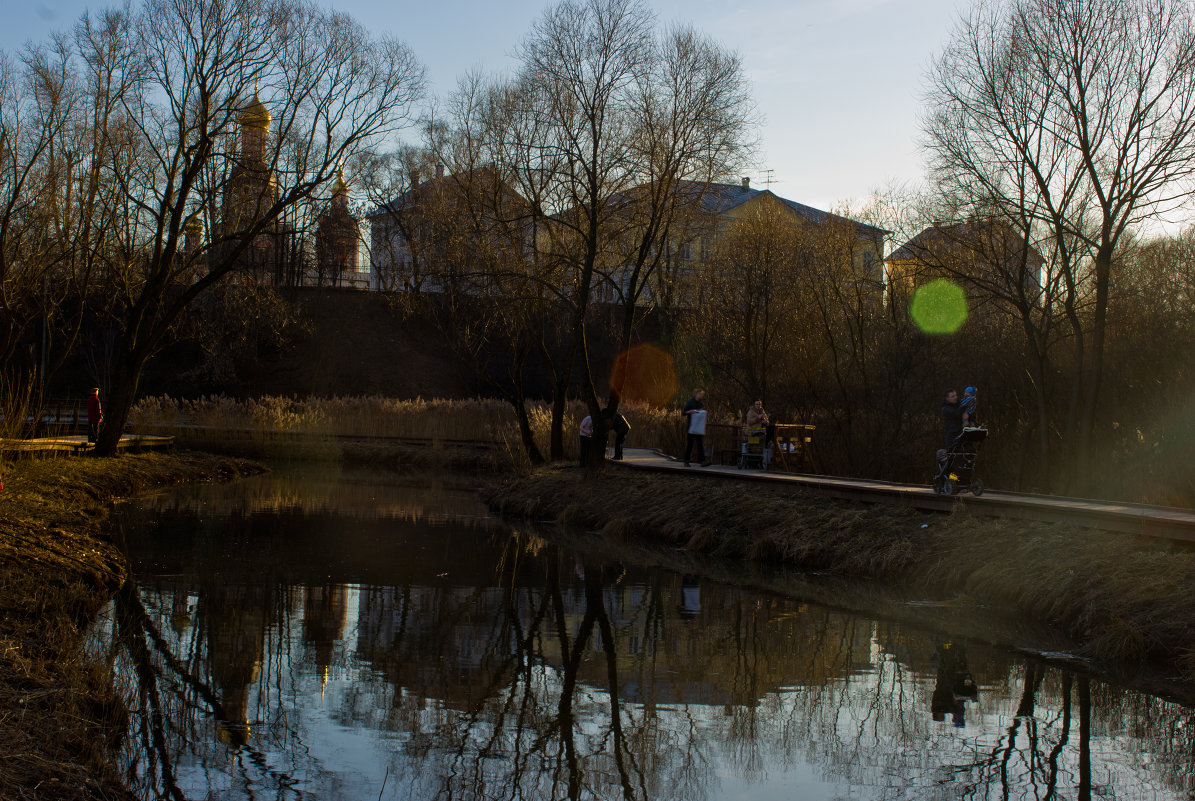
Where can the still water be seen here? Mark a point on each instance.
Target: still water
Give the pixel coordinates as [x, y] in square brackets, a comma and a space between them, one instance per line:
[372, 636]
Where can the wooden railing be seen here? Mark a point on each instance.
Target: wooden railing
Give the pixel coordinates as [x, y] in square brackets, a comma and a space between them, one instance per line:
[62, 417]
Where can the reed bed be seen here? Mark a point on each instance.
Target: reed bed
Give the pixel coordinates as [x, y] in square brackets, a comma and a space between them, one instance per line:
[369, 416]
[263, 422]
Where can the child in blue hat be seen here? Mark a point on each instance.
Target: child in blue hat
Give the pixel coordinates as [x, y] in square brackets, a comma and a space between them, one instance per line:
[968, 407]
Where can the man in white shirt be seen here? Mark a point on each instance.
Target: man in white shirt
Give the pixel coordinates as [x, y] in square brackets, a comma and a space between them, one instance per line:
[586, 432]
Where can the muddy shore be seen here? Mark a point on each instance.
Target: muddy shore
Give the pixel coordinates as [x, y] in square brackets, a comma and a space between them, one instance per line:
[60, 719]
[1122, 603]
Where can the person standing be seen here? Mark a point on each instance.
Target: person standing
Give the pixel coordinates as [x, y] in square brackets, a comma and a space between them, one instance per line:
[757, 417]
[694, 414]
[585, 430]
[95, 415]
[952, 417]
[619, 425]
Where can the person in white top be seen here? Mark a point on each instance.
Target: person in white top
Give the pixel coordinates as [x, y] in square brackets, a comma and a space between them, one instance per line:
[694, 414]
[585, 430]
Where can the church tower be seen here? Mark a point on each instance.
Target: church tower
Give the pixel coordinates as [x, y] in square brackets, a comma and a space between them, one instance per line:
[337, 240]
[250, 193]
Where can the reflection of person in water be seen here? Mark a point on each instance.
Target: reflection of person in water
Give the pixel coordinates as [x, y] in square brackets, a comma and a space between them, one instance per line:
[955, 685]
[690, 598]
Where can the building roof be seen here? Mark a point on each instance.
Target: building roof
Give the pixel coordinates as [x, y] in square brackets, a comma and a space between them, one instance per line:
[972, 238]
[446, 183]
[722, 198]
[715, 199]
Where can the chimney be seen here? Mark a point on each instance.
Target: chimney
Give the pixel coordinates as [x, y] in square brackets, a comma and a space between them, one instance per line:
[414, 179]
[439, 171]
[746, 183]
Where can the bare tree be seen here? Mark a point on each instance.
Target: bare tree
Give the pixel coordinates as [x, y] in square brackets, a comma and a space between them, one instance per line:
[304, 89]
[600, 130]
[582, 63]
[57, 201]
[692, 110]
[748, 298]
[399, 185]
[1079, 118]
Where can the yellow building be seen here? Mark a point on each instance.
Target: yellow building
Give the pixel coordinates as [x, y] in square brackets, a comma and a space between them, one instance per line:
[709, 211]
[987, 257]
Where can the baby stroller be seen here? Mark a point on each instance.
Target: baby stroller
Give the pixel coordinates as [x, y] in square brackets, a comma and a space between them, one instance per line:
[956, 464]
[753, 451]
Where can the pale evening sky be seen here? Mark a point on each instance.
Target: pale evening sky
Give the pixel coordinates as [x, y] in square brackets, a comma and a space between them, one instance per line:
[838, 82]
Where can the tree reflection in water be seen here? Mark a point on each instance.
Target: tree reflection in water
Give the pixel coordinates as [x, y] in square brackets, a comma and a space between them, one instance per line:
[500, 666]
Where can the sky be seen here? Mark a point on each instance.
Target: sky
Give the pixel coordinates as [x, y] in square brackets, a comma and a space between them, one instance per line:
[838, 83]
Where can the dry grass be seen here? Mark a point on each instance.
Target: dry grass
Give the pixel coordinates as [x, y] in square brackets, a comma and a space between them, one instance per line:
[1121, 599]
[59, 716]
[269, 425]
[370, 416]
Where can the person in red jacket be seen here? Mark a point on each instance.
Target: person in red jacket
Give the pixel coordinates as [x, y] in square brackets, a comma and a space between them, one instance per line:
[95, 415]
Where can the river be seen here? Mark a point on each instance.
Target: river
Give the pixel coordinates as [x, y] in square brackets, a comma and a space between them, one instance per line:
[319, 634]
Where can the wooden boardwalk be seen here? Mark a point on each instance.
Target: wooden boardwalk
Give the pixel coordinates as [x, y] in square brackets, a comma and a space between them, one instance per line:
[1153, 521]
[44, 446]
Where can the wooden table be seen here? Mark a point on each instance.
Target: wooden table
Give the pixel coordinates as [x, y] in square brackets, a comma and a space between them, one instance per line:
[793, 451]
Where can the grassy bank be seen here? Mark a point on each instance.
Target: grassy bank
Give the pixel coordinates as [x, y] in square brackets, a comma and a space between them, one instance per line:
[59, 716]
[1123, 600]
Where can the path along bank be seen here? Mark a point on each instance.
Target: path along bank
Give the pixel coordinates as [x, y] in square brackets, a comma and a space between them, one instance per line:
[1125, 601]
[60, 718]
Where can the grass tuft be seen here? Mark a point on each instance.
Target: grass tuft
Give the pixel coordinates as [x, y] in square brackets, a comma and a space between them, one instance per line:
[619, 529]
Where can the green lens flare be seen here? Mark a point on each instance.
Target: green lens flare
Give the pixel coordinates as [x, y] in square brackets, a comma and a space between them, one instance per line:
[939, 307]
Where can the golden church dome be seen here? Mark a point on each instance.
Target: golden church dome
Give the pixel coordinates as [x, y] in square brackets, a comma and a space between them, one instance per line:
[193, 225]
[340, 186]
[255, 115]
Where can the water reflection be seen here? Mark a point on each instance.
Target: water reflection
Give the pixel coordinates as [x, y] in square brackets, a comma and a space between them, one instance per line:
[292, 651]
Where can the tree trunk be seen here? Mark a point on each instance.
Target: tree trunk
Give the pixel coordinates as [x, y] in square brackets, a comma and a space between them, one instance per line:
[1095, 367]
[528, 436]
[1084, 739]
[559, 404]
[1038, 371]
[119, 403]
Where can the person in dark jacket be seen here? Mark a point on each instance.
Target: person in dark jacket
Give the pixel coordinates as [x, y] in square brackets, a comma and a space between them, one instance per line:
[619, 425]
[952, 417]
[694, 415]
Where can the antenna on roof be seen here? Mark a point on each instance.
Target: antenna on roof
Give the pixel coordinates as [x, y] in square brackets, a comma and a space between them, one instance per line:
[769, 180]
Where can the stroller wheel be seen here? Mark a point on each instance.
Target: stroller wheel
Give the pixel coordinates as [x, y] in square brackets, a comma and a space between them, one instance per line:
[938, 484]
[949, 487]
[977, 488]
